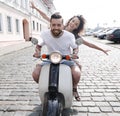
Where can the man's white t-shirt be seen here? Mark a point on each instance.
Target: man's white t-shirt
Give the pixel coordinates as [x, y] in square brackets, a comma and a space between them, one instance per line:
[63, 44]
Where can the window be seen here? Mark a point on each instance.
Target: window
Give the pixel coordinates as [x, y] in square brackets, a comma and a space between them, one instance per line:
[117, 32]
[24, 4]
[17, 26]
[8, 0]
[33, 25]
[40, 27]
[16, 1]
[0, 22]
[37, 26]
[21, 3]
[9, 24]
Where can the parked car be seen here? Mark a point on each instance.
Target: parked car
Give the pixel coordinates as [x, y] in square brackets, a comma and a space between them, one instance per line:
[95, 34]
[102, 35]
[88, 33]
[114, 36]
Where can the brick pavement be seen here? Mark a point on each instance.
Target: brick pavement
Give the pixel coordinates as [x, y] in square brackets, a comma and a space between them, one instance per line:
[99, 86]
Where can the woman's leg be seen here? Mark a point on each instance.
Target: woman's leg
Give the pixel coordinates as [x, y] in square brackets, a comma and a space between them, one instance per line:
[76, 73]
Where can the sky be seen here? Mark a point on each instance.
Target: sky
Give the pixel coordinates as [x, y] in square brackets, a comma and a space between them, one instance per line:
[96, 12]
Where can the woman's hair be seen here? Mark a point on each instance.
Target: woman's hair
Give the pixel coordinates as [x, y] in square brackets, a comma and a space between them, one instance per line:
[80, 27]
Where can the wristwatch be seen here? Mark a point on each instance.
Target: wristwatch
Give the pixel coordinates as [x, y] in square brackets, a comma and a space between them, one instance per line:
[75, 52]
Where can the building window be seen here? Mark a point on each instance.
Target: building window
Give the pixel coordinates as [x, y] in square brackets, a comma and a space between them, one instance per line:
[40, 27]
[0, 22]
[17, 26]
[24, 4]
[33, 25]
[16, 1]
[8, 0]
[9, 24]
[21, 3]
[37, 26]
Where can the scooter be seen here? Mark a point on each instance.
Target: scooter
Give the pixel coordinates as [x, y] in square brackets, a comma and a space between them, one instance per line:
[55, 85]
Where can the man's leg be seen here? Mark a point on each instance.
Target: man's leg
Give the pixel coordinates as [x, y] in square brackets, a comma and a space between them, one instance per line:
[78, 63]
[36, 73]
[76, 72]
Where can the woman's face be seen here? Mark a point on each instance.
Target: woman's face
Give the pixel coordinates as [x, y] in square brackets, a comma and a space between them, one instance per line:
[74, 23]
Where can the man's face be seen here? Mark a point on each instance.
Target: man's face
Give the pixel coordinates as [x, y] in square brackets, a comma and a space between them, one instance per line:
[56, 26]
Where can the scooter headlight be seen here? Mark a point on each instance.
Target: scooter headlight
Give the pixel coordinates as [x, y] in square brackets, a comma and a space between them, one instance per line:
[55, 57]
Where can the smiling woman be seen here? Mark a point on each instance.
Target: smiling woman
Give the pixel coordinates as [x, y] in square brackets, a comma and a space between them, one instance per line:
[96, 12]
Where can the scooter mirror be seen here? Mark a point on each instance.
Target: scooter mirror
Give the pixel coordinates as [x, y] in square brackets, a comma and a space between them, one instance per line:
[79, 41]
[34, 41]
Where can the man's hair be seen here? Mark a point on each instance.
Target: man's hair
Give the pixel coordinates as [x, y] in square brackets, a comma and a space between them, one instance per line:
[55, 16]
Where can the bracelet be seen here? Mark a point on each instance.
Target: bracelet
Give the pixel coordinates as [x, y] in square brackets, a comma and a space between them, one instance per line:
[38, 47]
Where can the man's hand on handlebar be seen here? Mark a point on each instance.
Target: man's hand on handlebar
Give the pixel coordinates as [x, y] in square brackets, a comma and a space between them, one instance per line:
[37, 53]
[74, 56]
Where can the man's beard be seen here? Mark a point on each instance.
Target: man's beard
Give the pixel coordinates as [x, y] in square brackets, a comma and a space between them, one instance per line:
[56, 33]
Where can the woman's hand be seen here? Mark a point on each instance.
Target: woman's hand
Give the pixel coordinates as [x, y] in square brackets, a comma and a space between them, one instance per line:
[32, 5]
[106, 51]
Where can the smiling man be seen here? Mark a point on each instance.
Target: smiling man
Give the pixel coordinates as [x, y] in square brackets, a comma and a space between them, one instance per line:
[57, 39]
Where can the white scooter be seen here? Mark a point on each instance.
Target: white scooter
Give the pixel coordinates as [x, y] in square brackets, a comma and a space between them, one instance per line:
[55, 85]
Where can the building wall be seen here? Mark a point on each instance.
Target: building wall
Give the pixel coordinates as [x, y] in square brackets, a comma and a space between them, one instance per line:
[20, 22]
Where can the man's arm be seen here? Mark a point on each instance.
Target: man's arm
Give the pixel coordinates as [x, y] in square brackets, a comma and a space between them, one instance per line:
[75, 53]
[37, 51]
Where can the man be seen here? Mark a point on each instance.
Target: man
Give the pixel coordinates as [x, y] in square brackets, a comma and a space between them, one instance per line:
[57, 39]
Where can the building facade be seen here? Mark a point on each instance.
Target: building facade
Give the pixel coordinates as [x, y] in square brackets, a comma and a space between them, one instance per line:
[19, 22]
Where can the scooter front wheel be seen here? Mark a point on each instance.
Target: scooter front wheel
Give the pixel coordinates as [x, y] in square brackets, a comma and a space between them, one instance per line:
[52, 108]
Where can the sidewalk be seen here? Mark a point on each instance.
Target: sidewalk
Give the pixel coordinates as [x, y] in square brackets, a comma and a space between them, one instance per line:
[8, 47]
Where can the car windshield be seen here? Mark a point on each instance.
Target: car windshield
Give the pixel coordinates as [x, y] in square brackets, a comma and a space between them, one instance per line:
[110, 31]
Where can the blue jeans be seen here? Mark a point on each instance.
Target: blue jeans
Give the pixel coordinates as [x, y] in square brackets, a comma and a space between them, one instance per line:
[66, 62]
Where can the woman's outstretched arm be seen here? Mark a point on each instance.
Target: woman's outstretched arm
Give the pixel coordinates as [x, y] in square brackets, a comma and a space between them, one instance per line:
[95, 47]
[41, 12]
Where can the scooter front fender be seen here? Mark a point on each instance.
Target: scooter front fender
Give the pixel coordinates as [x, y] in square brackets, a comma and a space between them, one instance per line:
[65, 83]
[44, 81]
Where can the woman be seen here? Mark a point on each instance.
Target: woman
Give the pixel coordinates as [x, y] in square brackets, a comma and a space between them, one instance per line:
[75, 25]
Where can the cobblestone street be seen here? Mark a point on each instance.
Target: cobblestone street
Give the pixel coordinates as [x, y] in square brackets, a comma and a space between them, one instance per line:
[99, 87]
